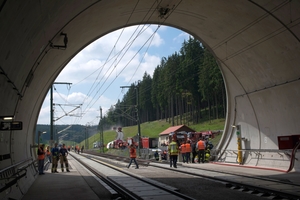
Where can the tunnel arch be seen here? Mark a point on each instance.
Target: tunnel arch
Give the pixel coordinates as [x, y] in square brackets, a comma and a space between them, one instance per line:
[256, 44]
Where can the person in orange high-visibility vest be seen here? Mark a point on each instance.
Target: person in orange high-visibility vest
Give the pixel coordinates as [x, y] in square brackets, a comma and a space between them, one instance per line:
[188, 149]
[48, 153]
[201, 150]
[183, 151]
[41, 158]
[132, 152]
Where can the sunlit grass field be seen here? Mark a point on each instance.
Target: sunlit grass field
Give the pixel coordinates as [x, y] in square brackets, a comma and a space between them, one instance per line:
[152, 130]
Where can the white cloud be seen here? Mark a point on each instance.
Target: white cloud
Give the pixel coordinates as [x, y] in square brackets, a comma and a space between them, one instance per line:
[106, 65]
[181, 37]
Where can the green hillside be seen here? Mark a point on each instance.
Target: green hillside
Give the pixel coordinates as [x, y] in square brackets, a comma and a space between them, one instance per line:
[152, 130]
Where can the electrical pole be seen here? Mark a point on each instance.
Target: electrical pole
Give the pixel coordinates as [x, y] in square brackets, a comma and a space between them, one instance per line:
[138, 118]
[137, 115]
[101, 132]
[51, 111]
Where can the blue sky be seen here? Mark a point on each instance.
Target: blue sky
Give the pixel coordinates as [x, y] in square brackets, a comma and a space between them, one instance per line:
[98, 71]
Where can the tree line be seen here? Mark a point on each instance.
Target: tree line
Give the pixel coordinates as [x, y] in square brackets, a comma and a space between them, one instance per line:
[185, 88]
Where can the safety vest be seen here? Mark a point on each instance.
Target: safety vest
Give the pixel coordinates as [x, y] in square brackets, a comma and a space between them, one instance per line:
[132, 152]
[173, 148]
[188, 147]
[183, 148]
[41, 154]
[201, 145]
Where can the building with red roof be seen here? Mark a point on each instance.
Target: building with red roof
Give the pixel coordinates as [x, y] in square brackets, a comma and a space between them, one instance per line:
[163, 140]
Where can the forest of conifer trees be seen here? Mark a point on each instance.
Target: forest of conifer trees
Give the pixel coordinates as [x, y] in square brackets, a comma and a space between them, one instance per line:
[185, 88]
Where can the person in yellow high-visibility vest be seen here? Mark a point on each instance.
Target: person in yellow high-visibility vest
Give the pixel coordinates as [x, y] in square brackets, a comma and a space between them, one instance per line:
[173, 150]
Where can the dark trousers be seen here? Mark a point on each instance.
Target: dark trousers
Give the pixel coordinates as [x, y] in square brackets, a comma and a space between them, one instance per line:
[188, 157]
[173, 160]
[194, 156]
[201, 156]
[134, 160]
[183, 157]
[41, 166]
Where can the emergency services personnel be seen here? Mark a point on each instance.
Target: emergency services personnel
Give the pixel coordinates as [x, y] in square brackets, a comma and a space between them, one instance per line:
[63, 152]
[201, 150]
[173, 152]
[188, 149]
[132, 151]
[183, 151]
[41, 158]
[55, 158]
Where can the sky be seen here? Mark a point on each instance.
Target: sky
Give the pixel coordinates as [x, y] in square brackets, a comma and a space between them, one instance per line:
[93, 78]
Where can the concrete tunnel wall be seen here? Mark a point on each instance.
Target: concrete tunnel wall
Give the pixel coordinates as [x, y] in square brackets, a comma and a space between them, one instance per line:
[256, 44]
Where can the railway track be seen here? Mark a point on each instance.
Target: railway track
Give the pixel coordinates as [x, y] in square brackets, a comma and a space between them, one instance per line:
[125, 185]
[259, 186]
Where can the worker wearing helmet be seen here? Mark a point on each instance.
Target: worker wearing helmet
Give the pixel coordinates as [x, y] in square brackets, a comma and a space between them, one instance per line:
[63, 158]
[201, 150]
[188, 149]
[55, 158]
[132, 151]
[173, 152]
[183, 151]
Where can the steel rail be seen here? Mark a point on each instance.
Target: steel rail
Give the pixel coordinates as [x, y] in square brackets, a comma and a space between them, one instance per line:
[178, 194]
[232, 183]
[122, 192]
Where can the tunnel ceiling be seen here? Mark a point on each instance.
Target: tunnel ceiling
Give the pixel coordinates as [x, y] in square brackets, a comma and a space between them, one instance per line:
[256, 44]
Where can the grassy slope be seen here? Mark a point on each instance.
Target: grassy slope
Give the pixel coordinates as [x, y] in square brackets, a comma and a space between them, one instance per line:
[152, 130]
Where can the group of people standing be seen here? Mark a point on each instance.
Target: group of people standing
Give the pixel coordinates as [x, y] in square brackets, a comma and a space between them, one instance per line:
[78, 150]
[56, 154]
[197, 148]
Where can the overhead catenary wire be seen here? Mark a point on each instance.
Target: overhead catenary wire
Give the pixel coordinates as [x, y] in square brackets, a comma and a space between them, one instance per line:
[90, 104]
[135, 54]
[129, 42]
[123, 55]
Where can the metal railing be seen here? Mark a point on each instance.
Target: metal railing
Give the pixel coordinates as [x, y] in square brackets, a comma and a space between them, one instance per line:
[218, 154]
[15, 172]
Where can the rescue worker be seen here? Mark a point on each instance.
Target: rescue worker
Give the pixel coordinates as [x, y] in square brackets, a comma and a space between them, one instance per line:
[41, 159]
[183, 151]
[188, 149]
[132, 151]
[173, 152]
[55, 158]
[201, 150]
[207, 154]
[63, 152]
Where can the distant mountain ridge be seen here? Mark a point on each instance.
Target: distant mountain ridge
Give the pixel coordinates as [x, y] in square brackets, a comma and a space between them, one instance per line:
[75, 133]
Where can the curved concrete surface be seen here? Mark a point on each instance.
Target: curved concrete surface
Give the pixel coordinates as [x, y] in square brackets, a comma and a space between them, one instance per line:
[255, 42]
